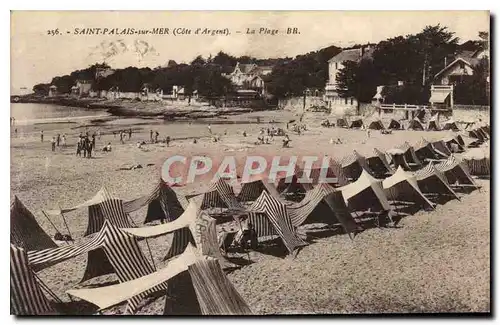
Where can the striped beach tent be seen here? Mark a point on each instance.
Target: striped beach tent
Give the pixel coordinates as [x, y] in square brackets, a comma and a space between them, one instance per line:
[289, 184]
[270, 218]
[26, 296]
[415, 124]
[25, 232]
[213, 293]
[394, 125]
[353, 164]
[365, 193]
[477, 162]
[451, 125]
[424, 150]
[409, 154]
[378, 163]
[103, 206]
[337, 170]
[192, 227]
[432, 181]
[163, 204]
[357, 123]
[453, 145]
[398, 158]
[432, 125]
[403, 186]
[220, 195]
[441, 149]
[342, 123]
[250, 191]
[456, 172]
[376, 125]
[109, 251]
[322, 205]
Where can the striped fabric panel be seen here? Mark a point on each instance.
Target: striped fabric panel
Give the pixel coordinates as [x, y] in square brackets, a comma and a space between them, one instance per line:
[42, 259]
[109, 209]
[179, 241]
[220, 195]
[205, 237]
[25, 232]
[165, 206]
[129, 262]
[136, 204]
[26, 296]
[431, 180]
[263, 227]
[455, 171]
[299, 212]
[278, 216]
[216, 294]
[251, 191]
[478, 167]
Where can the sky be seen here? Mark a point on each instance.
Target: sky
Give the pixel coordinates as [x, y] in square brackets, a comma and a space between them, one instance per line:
[37, 56]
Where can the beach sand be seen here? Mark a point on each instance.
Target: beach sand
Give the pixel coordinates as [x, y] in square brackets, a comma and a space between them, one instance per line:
[435, 261]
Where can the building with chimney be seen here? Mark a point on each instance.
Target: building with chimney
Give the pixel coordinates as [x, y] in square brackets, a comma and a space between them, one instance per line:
[249, 77]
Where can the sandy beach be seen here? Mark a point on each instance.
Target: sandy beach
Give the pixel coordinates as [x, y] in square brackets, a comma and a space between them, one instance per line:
[435, 261]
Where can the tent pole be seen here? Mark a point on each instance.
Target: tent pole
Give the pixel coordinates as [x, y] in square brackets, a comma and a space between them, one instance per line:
[67, 228]
[46, 216]
[147, 243]
[47, 289]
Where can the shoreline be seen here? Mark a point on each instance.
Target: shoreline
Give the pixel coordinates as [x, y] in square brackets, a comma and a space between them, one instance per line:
[138, 109]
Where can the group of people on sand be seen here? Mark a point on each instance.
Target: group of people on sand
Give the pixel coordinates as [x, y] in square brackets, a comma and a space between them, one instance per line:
[85, 144]
[123, 134]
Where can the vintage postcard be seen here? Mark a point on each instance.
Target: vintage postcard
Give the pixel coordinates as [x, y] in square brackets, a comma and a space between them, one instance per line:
[250, 162]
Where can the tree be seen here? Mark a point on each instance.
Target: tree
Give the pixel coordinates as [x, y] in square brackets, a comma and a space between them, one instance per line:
[358, 80]
[41, 89]
[199, 60]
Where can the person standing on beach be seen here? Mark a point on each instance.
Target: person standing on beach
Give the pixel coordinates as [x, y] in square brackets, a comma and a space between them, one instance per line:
[64, 140]
[41, 135]
[53, 143]
[90, 147]
[114, 134]
[209, 128]
[151, 135]
[168, 140]
[121, 136]
[99, 134]
[93, 140]
[156, 136]
[130, 133]
[58, 139]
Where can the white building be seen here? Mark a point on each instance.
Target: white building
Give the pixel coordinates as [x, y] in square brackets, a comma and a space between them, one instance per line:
[338, 104]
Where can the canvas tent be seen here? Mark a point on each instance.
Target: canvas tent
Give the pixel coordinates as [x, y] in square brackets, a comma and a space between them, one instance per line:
[432, 181]
[342, 123]
[365, 193]
[460, 140]
[424, 150]
[250, 191]
[353, 165]
[358, 123]
[163, 204]
[337, 170]
[398, 158]
[25, 232]
[376, 125]
[214, 293]
[415, 124]
[26, 296]
[432, 125]
[453, 145]
[103, 206]
[441, 149]
[318, 206]
[220, 195]
[403, 186]
[477, 163]
[378, 164]
[455, 172]
[109, 251]
[394, 125]
[410, 155]
[270, 218]
[451, 125]
[192, 227]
